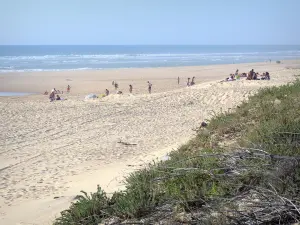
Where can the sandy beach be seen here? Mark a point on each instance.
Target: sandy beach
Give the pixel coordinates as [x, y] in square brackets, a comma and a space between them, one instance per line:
[49, 151]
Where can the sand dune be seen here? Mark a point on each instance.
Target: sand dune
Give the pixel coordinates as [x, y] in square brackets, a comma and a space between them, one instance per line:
[56, 149]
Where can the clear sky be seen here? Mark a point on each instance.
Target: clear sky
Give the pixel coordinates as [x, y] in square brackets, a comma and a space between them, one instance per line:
[149, 22]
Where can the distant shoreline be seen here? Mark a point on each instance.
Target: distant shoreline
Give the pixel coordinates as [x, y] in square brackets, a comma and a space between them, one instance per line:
[96, 81]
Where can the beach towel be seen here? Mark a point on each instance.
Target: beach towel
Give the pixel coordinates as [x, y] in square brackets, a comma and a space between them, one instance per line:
[90, 96]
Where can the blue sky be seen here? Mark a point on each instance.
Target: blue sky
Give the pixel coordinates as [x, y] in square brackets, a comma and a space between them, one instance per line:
[149, 22]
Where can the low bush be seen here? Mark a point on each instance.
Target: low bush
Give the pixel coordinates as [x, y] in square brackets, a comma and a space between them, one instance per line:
[243, 168]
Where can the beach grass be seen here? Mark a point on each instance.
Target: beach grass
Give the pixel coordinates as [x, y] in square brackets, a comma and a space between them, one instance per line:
[243, 168]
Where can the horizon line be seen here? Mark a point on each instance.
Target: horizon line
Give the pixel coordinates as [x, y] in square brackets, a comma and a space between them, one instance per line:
[149, 44]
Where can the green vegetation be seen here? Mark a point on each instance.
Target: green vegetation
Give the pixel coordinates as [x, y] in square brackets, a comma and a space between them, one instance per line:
[243, 168]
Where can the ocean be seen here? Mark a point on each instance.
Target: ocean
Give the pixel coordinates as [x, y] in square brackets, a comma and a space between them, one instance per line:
[88, 57]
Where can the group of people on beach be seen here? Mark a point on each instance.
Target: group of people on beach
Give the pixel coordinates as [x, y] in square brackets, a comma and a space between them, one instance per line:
[254, 76]
[249, 76]
[116, 86]
[54, 94]
[189, 83]
[149, 85]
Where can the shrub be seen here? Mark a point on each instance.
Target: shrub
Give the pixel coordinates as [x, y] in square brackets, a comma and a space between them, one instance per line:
[204, 172]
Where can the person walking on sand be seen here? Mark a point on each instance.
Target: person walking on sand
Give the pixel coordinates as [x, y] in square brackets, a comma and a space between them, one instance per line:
[193, 81]
[188, 82]
[149, 87]
[52, 96]
[130, 88]
[68, 88]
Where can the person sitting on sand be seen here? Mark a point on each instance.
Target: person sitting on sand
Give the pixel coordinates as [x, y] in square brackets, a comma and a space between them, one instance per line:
[250, 75]
[119, 92]
[267, 76]
[149, 87]
[130, 88]
[58, 98]
[193, 81]
[254, 76]
[46, 93]
[230, 78]
[52, 96]
[106, 92]
[263, 76]
[188, 82]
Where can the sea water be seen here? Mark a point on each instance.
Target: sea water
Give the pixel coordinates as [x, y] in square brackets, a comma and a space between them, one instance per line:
[7, 94]
[85, 57]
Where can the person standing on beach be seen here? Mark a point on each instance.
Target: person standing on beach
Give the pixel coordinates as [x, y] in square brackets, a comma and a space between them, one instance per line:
[130, 88]
[68, 88]
[106, 92]
[193, 81]
[149, 87]
[178, 80]
[116, 85]
[188, 82]
[52, 96]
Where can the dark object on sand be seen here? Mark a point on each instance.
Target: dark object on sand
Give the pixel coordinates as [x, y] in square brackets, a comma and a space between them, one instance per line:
[203, 124]
[149, 87]
[125, 143]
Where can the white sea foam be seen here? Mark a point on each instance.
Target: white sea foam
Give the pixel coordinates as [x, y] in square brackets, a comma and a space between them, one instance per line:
[160, 55]
[42, 70]
[62, 62]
